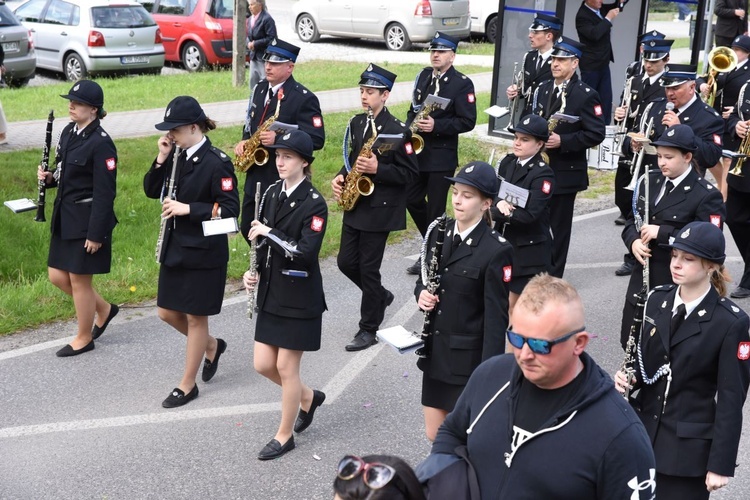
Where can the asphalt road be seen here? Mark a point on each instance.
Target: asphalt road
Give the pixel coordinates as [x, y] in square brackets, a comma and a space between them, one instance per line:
[93, 426]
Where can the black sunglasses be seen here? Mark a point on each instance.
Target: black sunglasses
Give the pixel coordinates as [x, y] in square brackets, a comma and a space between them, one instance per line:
[538, 346]
[375, 475]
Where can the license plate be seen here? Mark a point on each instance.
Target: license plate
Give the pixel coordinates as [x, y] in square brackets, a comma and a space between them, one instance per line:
[10, 46]
[134, 59]
[450, 21]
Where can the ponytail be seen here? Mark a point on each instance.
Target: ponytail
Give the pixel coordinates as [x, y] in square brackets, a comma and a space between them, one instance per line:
[719, 279]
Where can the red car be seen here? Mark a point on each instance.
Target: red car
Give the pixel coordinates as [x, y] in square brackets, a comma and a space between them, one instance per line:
[196, 33]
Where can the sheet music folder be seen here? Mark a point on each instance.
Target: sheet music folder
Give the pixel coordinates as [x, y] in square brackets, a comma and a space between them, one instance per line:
[21, 205]
[400, 339]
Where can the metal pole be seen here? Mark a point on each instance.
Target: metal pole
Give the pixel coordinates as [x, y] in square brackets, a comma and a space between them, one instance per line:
[708, 16]
[239, 33]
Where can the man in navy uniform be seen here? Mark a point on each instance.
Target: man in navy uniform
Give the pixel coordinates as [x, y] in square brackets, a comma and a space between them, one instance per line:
[568, 141]
[636, 67]
[279, 91]
[390, 167]
[537, 63]
[439, 130]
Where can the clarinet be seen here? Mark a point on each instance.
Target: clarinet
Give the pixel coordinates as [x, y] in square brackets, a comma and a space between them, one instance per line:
[253, 258]
[45, 167]
[160, 248]
[431, 279]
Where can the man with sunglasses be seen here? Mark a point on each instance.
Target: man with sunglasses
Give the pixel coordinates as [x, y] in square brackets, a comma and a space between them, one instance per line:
[546, 422]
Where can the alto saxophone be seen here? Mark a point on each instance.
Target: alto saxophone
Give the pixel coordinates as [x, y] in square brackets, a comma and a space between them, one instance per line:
[254, 153]
[356, 184]
[417, 141]
[552, 123]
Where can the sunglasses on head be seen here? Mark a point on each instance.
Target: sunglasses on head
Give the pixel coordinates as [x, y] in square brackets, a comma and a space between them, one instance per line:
[375, 475]
[538, 346]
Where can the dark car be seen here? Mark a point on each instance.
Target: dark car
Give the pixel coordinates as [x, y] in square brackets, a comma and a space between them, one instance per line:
[20, 59]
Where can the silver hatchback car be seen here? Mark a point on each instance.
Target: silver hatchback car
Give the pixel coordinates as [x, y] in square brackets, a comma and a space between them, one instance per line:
[81, 37]
[20, 60]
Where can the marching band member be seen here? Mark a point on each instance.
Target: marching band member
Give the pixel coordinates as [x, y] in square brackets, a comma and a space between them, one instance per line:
[290, 287]
[568, 142]
[366, 226]
[427, 195]
[83, 216]
[692, 373]
[472, 300]
[537, 64]
[677, 196]
[296, 105]
[193, 269]
[526, 227]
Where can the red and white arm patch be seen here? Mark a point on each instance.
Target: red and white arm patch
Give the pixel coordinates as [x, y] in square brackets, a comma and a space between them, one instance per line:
[717, 139]
[111, 163]
[507, 273]
[715, 219]
[471, 98]
[546, 187]
[409, 149]
[227, 184]
[743, 351]
[598, 110]
[317, 121]
[317, 223]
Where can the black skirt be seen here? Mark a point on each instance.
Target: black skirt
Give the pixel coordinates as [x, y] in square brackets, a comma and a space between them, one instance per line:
[199, 292]
[438, 394]
[296, 334]
[71, 256]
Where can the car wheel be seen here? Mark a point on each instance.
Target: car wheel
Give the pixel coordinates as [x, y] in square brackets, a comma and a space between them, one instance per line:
[74, 68]
[396, 37]
[491, 29]
[193, 58]
[306, 29]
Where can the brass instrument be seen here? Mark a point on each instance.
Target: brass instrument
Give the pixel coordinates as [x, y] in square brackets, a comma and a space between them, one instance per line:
[552, 122]
[513, 104]
[745, 144]
[720, 60]
[356, 184]
[253, 257]
[622, 128]
[417, 142]
[254, 153]
[171, 192]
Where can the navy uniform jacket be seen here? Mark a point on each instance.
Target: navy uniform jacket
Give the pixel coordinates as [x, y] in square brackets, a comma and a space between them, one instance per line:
[527, 229]
[261, 34]
[206, 178]
[385, 209]
[86, 178]
[299, 106]
[694, 199]
[569, 160]
[594, 32]
[301, 223]
[639, 100]
[741, 112]
[441, 145]
[471, 318]
[699, 428]
[532, 78]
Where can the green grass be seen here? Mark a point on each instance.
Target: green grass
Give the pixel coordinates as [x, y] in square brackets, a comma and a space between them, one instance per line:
[681, 43]
[475, 47]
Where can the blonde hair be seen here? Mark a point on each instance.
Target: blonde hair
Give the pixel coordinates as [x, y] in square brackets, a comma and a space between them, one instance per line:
[543, 289]
[719, 276]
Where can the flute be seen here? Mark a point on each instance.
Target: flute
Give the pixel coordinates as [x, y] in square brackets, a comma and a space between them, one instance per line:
[253, 257]
[160, 248]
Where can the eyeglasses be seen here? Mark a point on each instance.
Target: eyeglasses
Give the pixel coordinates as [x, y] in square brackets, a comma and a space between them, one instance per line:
[538, 346]
[375, 475]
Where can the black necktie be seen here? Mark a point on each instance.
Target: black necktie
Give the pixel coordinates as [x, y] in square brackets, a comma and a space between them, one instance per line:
[539, 63]
[668, 187]
[646, 85]
[282, 199]
[556, 95]
[431, 86]
[456, 241]
[677, 319]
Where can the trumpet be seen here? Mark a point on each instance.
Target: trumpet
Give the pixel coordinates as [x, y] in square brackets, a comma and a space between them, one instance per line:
[513, 104]
[720, 60]
[622, 127]
[356, 184]
[744, 151]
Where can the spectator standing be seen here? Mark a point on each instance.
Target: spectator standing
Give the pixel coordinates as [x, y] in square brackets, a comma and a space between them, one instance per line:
[731, 21]
[261, 30]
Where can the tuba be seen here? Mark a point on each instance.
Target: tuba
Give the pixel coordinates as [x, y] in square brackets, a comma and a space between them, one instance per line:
[254, 153]
[356, 184]
[720, 60]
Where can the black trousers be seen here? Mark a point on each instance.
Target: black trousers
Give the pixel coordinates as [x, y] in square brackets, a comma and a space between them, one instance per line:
[434, 186]
[738, 220]
[561, 223]
[360, 256]
[681, 488]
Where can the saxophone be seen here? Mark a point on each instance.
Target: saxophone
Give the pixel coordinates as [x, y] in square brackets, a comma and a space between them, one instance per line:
[417, 141]
[552, 123]
[254, 153]
[356, 184]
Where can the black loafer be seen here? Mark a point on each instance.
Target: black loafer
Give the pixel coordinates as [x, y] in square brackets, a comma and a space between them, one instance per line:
[97, 331]
[415, 268]
[68, 350]
[361, 341]
[305, 418]
[178, 398]
[620, 221]
[210, 367]
[626, 269]
[740, 293]
[388, 298]
[274, 449]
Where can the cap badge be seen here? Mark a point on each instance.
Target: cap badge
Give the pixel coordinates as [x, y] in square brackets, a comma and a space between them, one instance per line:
[685, 233]
[369, 68]
[470, 169]
[286, 137]
[76, 87]
[735, 309]
[670, 133]
[702, 313]
[560, 40]
[527, 121]
[664, 304]
[437, 36]
[652, 43]
[169, 112]
[274, 42]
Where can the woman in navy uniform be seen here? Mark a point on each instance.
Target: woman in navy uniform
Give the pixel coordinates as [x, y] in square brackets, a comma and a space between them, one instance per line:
[469, 324]
[83, 216]
[677, 196]
[526, 227]
[194, 267]
[293, 218]
[364, 232]
[692, 369]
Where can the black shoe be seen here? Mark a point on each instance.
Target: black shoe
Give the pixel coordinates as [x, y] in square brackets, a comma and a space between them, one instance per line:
[68, 350]
[626, 269]
[415, 268]
[178, 398]
[620, 221]
[210, 367]
[274, 449]
[740, 293]
[388, 298]
[97, 331]
[361, 341]
[305, 418]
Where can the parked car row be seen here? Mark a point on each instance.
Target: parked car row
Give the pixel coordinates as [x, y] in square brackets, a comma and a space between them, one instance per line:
[20, 59]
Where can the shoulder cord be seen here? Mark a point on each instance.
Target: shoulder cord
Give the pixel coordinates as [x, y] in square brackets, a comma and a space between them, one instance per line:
[423, 251]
